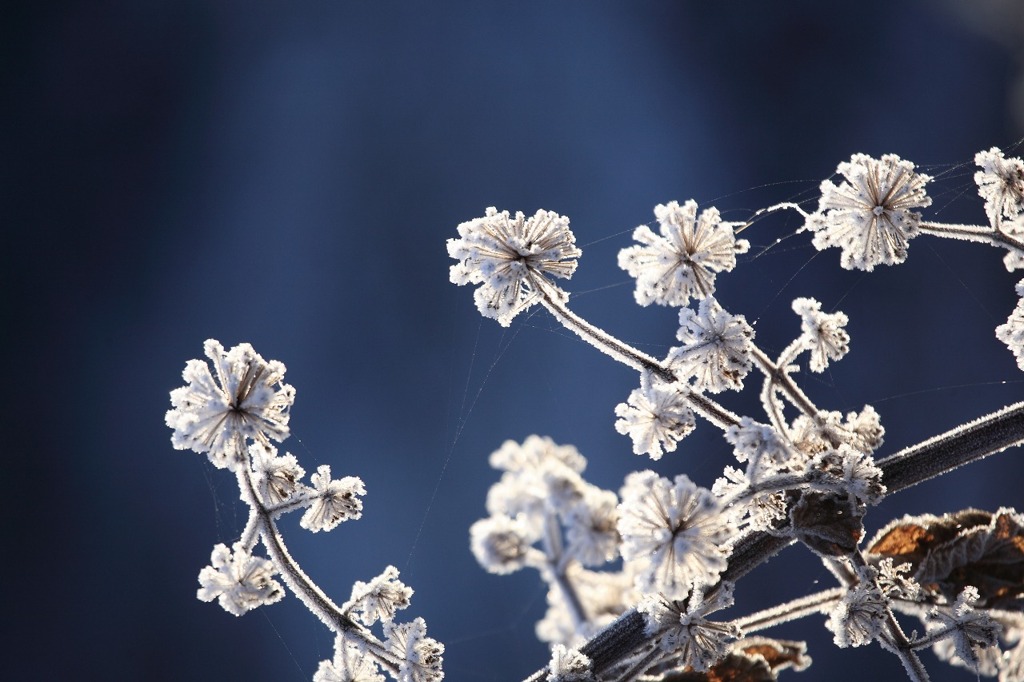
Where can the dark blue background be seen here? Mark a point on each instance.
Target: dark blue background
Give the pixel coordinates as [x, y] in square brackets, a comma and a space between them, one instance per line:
[287, 174]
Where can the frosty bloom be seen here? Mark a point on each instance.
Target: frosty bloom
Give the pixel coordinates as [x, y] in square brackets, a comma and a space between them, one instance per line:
[569, 665]
[851, 471]
[676, 530]
[540, 475]
[716, 347]
[1011, 332]
[760, 445]
[380, 598]
[238, 581]
[501, 544]
[682, 262]
[333, 501]
[699, 642]
[420, 656]
[245, 400]
[868, 216]
[970, 630]
[859, 616]
[823, 334]
[1001, 185]
[591, 528]
[277, 478]
[507, 257]
[349, 665]
[656, 416]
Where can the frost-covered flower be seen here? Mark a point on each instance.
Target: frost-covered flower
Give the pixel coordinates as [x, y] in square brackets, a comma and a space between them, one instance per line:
[246, 399]
[869, 215]
[1011, 332]
[540, 475]
[764, 448]
[502, 544]
[569, 665]
[851, 471]
[859, 616]
[686, 630]
[332, 501]
[716, 347]
[824, 334]
[1001, 185]
[420, 656]
[676, 530]
[971, 632]
[238, 580]
[656, 416]
[277, 478]
[862, 431]
[591, 527]
[508, 257]
[682, 262]
[350, 664]
[380, 598]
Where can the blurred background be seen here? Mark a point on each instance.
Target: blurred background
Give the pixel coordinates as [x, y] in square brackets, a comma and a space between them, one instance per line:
[287, 174]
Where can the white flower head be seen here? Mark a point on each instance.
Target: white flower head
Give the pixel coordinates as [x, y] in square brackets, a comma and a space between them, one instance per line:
[761, 446]
[1001, 185]
[656, 416]
[823, 334]
[682, 262]
[239, 581]
[502, 544]
[971, 632]
[539, 474]
[246, 400]
[277, 478]
[869, 215]
[350, 664]
[509, 257]
[716, 347]
[591, 528]
[686, 630]
[569, 665]
[851, 471]
[1011, 332]
[332, 501]
[860, 615]
[380, 598]
[420, 656]
[676, 530]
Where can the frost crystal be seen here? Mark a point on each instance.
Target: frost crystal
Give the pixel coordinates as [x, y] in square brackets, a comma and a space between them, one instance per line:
[716, 347]
[1001, 185]
[676, 531]
[682, 262]
[238, 581]
[868, 216]
[823, 333]
[569, 665]
[380, 598]
[333, 501]
[1011, 332]
[420, 656]
[859, 616]
[508, 258]
[245, 400]
[699, 642]
[349, 665]
[656, 416]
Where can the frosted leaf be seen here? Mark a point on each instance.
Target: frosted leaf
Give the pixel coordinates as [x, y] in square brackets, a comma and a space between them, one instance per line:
[1011, 332]
[676, 530]
[868, 216]
[502, 545]
[239, 581]
[350, 664]
[215, 414]
[973, 634]
[824, 334]
[333, 501]
[1001, 185]
[508, 257]
[591, 528]
[569, 665]
[716, 347]
[680, 263]
[656, 416]
[380, 598]
[420, 656]
[686, 630]
[859, 616]
[277, 478]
